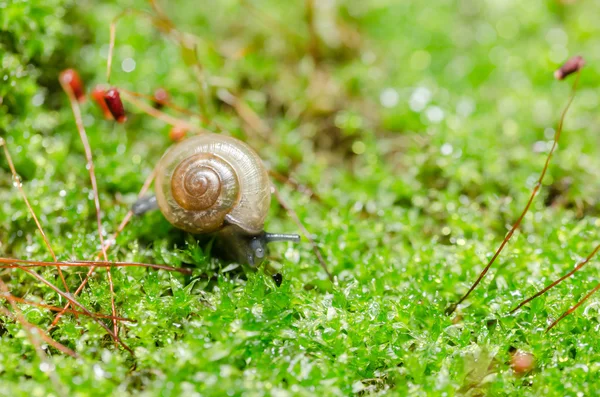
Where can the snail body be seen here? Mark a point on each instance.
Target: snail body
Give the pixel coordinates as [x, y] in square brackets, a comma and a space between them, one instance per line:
[216, 184]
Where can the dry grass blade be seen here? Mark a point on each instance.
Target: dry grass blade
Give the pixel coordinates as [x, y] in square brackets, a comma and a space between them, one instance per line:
[536, 188]
[19, 185]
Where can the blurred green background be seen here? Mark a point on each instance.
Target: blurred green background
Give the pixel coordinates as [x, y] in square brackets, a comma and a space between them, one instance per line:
[422, 126]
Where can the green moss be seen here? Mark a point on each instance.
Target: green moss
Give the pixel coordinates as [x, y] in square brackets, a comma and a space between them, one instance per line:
[422, 128]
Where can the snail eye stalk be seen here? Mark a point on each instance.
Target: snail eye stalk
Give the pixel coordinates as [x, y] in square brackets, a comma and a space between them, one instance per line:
[144, 205]
[274, 237]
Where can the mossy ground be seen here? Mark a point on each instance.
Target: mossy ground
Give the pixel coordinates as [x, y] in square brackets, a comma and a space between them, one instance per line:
[421, 125]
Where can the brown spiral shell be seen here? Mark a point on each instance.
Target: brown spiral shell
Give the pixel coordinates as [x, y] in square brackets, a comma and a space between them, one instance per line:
[208, 181]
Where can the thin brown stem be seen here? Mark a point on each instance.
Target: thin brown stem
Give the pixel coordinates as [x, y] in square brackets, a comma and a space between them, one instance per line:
[124, 223]
[111, 47]
[45, 337]
[127, 218]
[90, 167]
[74, 302]
[112, 300]
[168, 119]
[167, 27]
[13, 263]
[572, 309]
[536, 188]
[58, 309]
[33, 333]
[168, 104]
[306, 233]
[17, 182]
[560, 280]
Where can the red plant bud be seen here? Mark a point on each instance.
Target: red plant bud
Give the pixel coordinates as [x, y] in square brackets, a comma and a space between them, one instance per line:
[571, 66]
[522, 362]
[98, 96]
[71, 78]
[115, 105]
[161, 97]
[177, 133]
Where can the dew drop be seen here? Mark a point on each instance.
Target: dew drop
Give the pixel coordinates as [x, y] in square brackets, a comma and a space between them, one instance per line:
[389, 98]
[446, 149]
[128, 65]
[17, 181]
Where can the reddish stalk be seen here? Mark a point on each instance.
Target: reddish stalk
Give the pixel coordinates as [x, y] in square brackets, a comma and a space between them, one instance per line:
[122, 226]
[189, 43]
[536, 188]
[306, 233]
[45, 337]
[164, 25]
[90, 167]
[18, 183]
[13, 263]
[573, 308]
[79, 305]
[57, 309]
[162, 115]
[560, 280]
[167, 103]
[129, 215]
[33, 333]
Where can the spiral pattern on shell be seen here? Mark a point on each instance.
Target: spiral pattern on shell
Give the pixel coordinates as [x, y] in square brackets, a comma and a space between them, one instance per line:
[208, 181]
[198, 181]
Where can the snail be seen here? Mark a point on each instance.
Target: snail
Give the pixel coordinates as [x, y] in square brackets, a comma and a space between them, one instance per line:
[215, 184]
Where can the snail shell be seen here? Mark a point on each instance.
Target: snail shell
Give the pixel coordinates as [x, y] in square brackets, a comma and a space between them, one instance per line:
[207, 182]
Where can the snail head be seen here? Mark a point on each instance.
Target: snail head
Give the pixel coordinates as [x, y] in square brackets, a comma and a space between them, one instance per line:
[257, 246]
[250, 249]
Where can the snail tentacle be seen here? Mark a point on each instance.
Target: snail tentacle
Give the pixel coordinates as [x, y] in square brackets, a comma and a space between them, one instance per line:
[144, 204]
